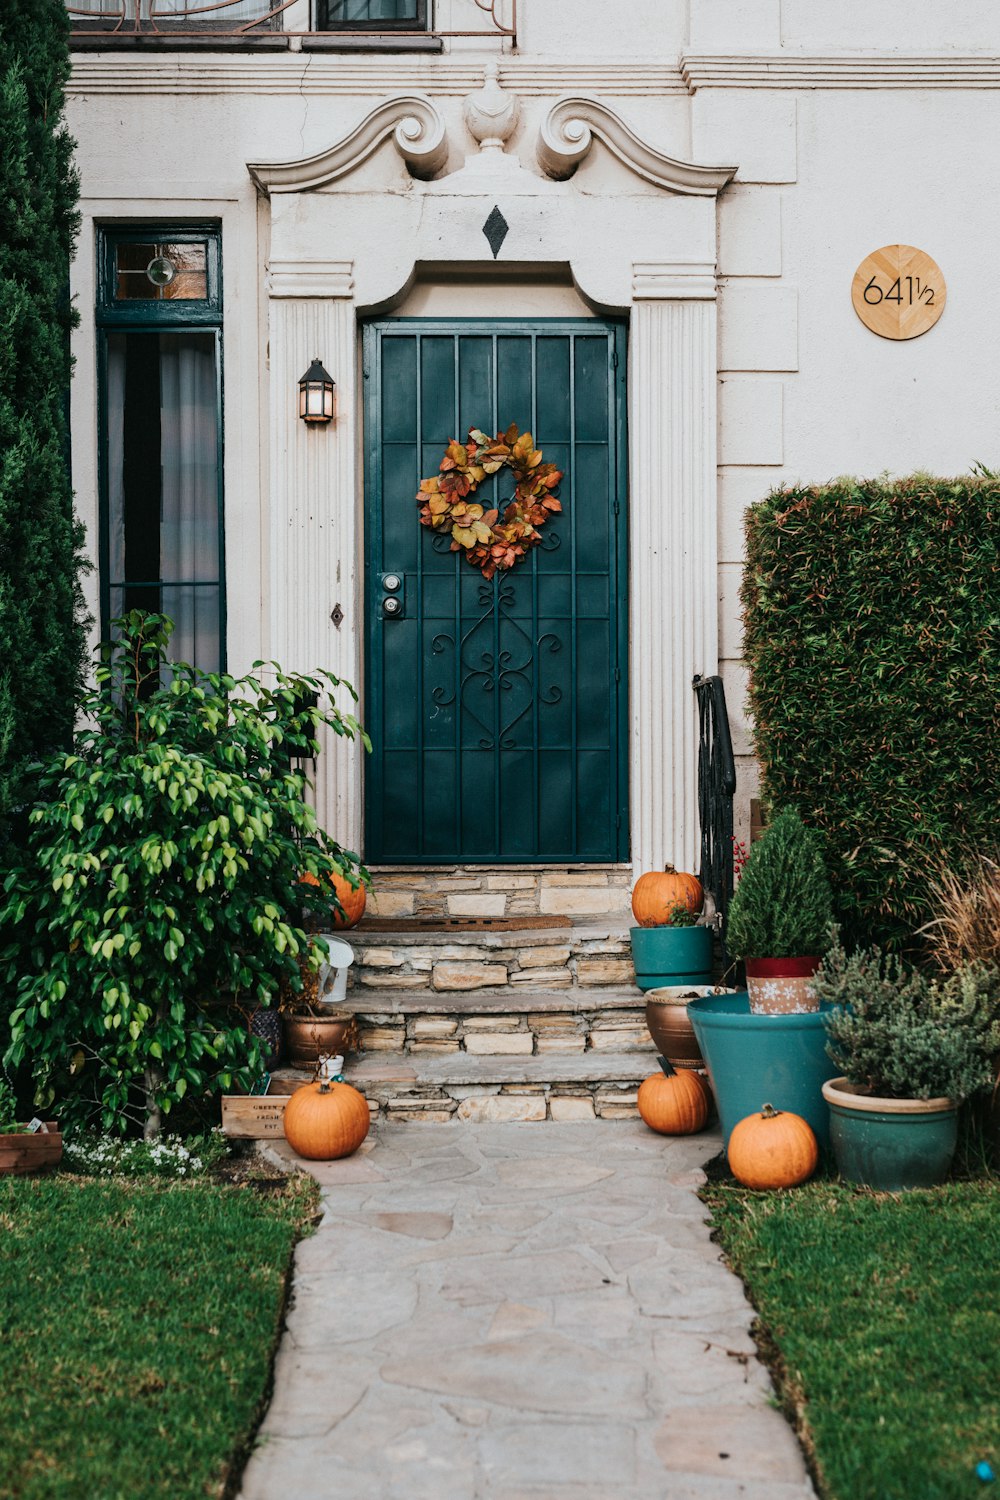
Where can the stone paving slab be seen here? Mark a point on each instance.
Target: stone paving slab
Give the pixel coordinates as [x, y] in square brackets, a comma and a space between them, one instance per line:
[491, 1312]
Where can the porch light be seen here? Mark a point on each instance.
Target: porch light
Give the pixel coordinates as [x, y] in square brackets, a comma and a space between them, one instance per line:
[316, 391]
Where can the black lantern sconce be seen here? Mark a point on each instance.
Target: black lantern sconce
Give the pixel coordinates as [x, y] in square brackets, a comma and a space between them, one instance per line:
[316, 394]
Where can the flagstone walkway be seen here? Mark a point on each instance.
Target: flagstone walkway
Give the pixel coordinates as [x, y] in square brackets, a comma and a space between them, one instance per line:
[520, 1312]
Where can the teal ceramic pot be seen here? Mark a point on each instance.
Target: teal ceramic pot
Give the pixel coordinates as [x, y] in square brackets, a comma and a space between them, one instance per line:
[665, 956]
[890, 1145]
[757, 1060]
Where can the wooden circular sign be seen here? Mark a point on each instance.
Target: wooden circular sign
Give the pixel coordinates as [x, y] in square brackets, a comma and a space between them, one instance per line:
[898, 292]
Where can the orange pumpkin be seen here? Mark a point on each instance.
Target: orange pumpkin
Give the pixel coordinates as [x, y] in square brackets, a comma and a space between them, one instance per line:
[655, 895]
[324, 1121]
[774, 1149]
[673, 1102]
[351, 898]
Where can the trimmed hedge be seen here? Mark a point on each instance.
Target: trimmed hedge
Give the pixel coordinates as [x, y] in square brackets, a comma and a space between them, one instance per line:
[872, 633]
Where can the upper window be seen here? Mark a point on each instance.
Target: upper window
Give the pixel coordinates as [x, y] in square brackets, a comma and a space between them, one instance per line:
[251, 18]
[372, 15]
[162, 536]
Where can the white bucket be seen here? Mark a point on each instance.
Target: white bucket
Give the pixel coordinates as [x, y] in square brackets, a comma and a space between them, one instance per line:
[333, 971]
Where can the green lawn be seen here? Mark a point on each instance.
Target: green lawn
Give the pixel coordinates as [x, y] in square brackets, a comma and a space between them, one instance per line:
[881, 1317]
[137, 1326]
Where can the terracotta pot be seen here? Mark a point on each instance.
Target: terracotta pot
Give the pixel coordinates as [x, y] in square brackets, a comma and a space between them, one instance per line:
[26, 1151]
[307, 1038]
[669, 1024]
[780, 986]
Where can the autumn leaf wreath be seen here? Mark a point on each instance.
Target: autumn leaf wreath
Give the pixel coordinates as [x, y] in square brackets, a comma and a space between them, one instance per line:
[488, 542]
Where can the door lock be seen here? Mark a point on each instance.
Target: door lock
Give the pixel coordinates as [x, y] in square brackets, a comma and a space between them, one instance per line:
[393, 596]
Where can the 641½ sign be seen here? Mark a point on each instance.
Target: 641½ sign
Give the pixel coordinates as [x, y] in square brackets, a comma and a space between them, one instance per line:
[898, 292]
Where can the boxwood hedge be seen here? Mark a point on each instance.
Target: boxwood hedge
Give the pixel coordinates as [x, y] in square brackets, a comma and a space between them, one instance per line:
[872, 628]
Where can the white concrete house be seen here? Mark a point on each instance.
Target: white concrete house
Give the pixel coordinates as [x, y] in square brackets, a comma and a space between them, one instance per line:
[631, 229]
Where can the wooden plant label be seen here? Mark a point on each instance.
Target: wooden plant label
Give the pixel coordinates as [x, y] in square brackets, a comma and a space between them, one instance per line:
[898, 292]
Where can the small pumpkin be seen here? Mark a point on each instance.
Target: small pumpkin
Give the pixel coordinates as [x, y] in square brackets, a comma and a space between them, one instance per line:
[325, 1120]
[657, 893]
[352, 899]
[673, 1101]
[772, 1149]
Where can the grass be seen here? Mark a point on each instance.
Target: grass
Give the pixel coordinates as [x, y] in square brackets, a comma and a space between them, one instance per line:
[880, 1318]
[138, 1321]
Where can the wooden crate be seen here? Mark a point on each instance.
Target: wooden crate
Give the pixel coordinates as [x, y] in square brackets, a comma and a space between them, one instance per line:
[254, 1117]
[21, 1151]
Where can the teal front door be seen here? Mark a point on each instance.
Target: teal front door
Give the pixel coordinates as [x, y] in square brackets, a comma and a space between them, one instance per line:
[497, 709]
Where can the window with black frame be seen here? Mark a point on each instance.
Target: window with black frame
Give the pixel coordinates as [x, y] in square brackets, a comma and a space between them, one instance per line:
[372, 15]
[162, 536]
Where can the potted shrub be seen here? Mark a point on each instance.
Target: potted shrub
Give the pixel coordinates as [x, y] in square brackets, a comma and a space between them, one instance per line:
[670, 946]
[24, 1148]
[159, 895]
[911, 1049]
[780, 917]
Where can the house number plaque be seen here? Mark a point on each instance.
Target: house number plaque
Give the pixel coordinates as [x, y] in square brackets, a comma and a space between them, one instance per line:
[898, 292]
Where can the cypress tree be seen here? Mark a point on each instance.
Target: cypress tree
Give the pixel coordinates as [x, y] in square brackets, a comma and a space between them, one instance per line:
[42, 624]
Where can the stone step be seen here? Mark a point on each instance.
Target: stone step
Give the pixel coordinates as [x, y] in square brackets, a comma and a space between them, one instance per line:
[586, 956]
[501, 1022]
[583, 891]
[468, 1088]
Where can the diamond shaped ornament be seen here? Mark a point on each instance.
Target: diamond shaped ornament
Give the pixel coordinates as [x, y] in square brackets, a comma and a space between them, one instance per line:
[495, 230]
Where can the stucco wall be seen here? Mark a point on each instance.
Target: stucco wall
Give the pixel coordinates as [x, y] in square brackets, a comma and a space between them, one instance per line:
[854, 125]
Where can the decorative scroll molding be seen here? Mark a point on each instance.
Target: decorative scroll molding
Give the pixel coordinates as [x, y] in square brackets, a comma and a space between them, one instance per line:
[674, 281]
[310, 278]
[789, 70]
[417, 130]
[567, 135]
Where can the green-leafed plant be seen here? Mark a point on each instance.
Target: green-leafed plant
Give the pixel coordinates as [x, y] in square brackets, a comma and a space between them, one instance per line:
[680, 916]
[161, 886]
[872, 633]
[782, 906]
[8, 1107]
[901, 1035]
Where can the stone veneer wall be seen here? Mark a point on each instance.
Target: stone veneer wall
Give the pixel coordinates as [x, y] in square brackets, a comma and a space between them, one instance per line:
[567, 958]
[489, 892]
[510, 1035]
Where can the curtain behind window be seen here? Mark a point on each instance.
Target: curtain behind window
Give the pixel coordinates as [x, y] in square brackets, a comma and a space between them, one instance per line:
[163, 452]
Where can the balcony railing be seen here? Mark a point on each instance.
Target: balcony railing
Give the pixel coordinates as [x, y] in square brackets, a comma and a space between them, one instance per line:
[377, 24]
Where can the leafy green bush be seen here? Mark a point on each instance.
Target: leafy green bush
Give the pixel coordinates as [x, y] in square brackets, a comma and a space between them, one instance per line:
[872, 615]
[161, 886]
[903, 1036]
[782, 904]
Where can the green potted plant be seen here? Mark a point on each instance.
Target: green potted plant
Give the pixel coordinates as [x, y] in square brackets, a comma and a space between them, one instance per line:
[25, 1147]
[910, 1049]
[780, 917]
[159, 894]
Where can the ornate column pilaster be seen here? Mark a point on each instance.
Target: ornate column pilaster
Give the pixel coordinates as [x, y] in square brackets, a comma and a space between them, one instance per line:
[674, 625]
[313, 558]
